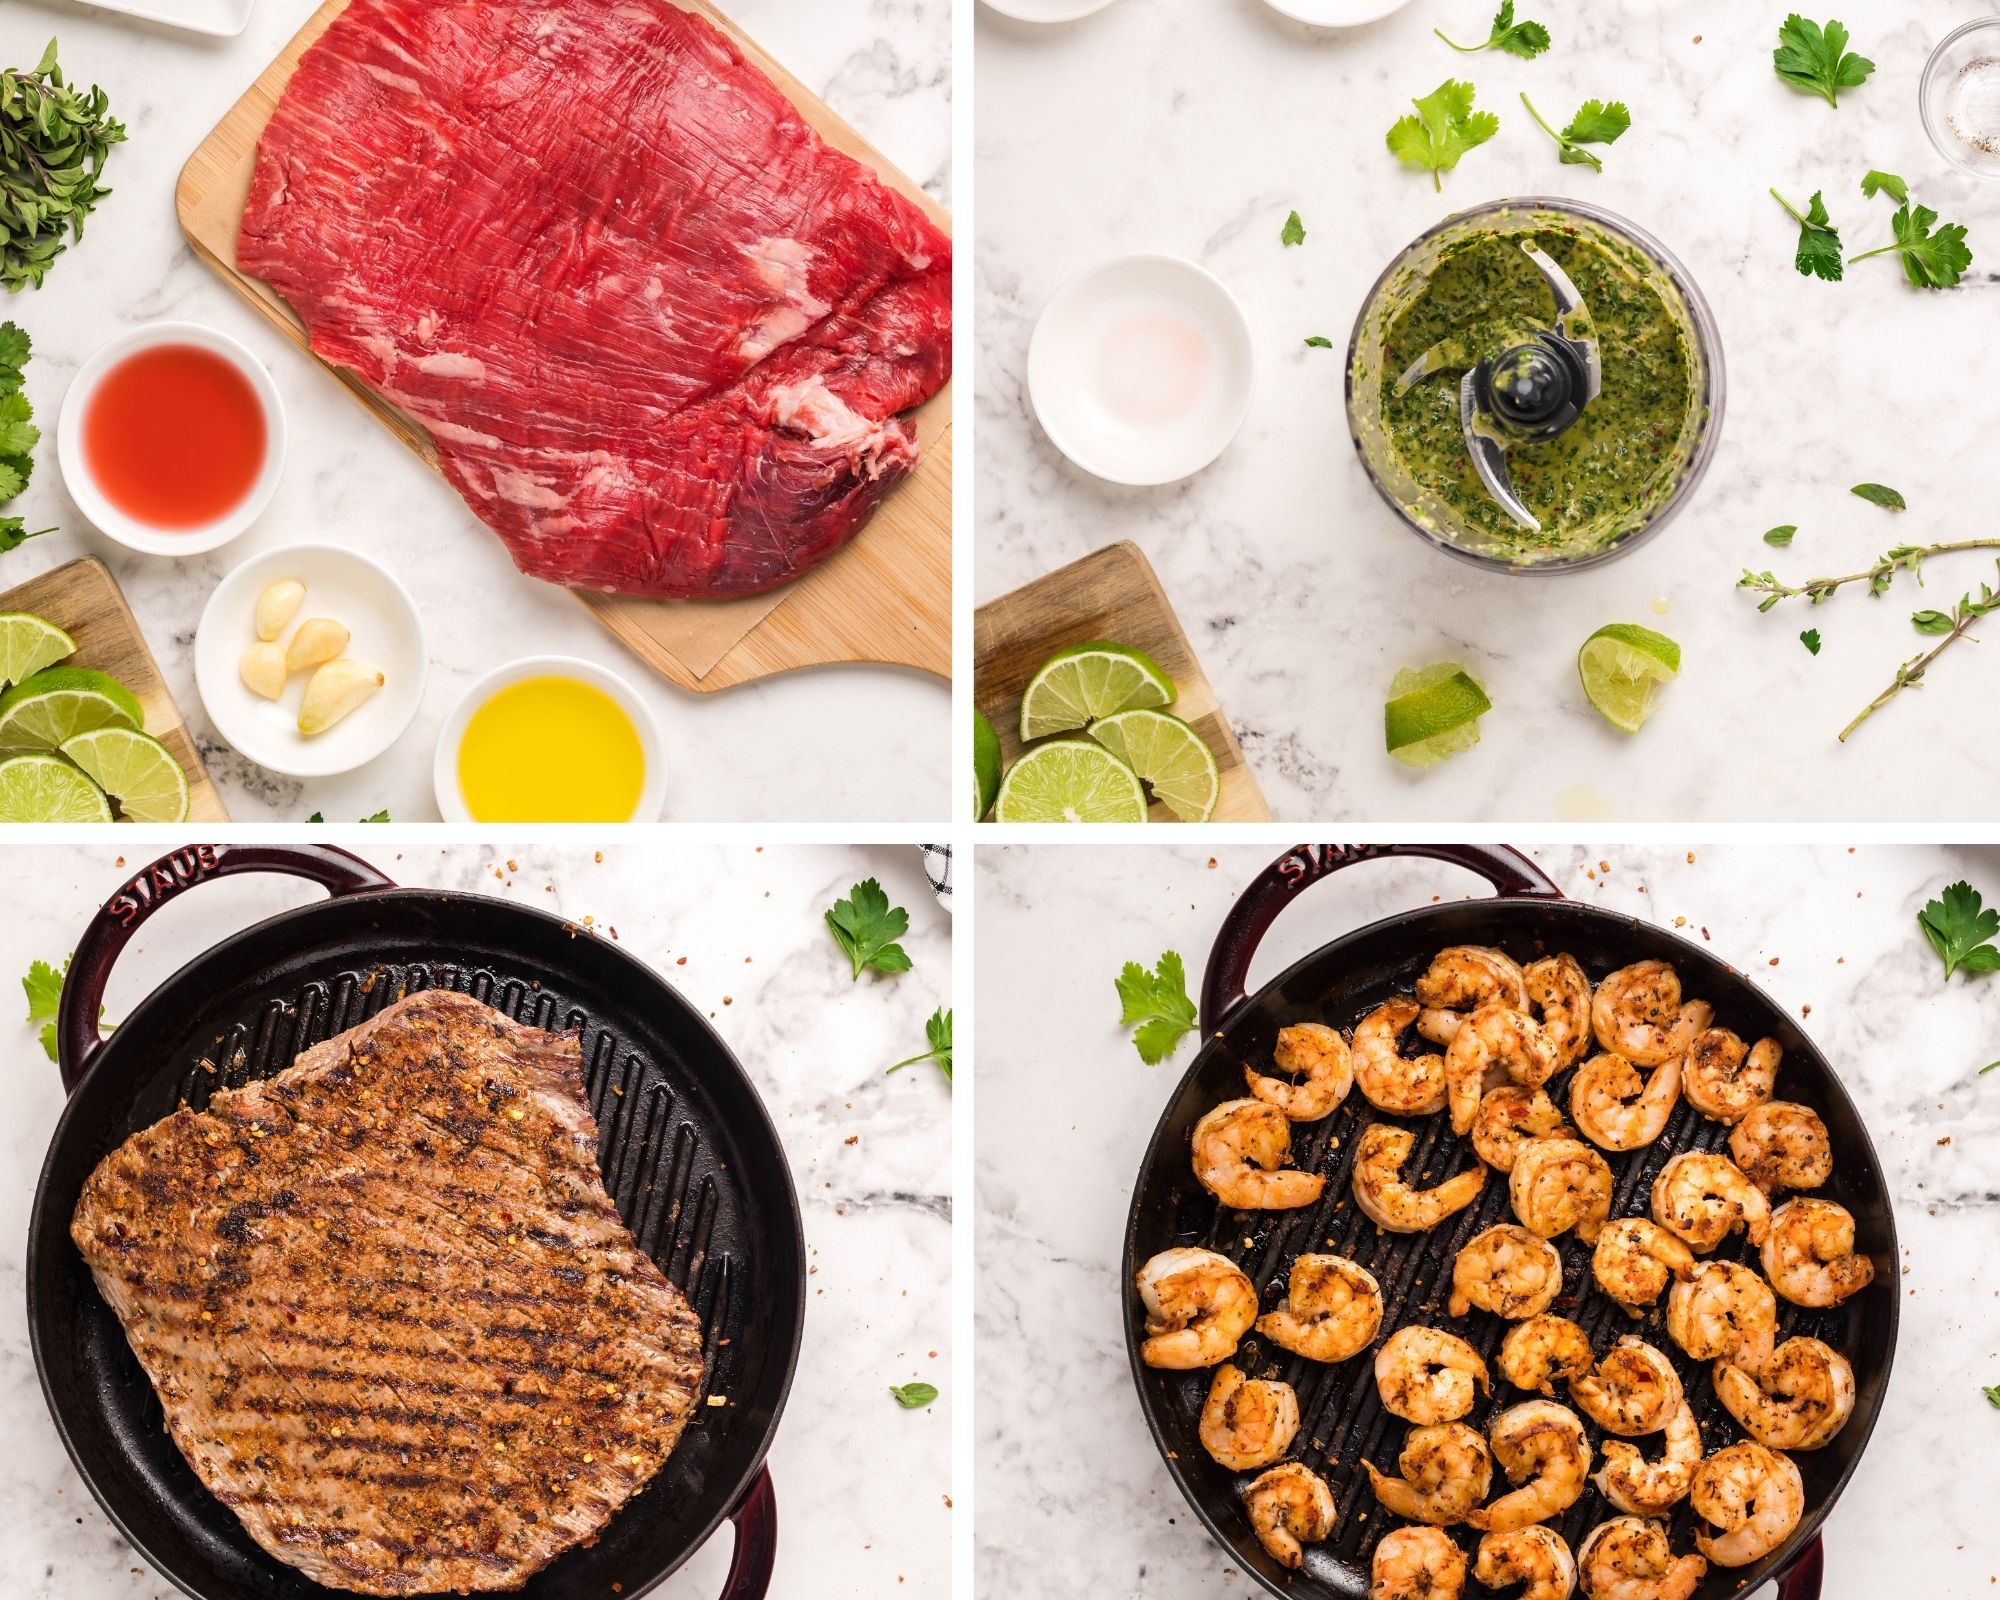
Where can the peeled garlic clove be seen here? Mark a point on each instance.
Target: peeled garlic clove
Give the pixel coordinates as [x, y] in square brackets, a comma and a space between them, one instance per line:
[263, 670]
[318, 639]
[277, 605]
[333, 691]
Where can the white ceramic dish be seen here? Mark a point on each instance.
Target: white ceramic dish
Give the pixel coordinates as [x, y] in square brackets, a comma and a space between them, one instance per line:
[1337, 13]
[222, 18]
[90, 500]
[1047, 10]
[387, 634]
[444, 768]
[1141, 369]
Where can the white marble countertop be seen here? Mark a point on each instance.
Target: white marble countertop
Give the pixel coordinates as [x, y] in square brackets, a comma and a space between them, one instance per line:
[870, 1155]
[739, 754]
[1194, 126]
[1062, 1092]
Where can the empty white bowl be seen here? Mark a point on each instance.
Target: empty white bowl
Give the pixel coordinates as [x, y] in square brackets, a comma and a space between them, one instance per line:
[386, 633]
[444, 768]
[116, 524]
[1140, 369]
[1047, 10]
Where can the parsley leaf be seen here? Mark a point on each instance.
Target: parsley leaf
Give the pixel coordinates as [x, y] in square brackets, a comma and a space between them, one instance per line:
[1319, 341]
[1817, 59]
[1810, 639]
[1959, 928]
[1158, 1001]
[43, 986]
[912, 1395]
[1594, 123]
[1294, 231]
[1524, 39]
[1930, 260]
[1888, 183]
[1819, 241]
[1781, 536]
[1444, 128]
[1881, 495]
[866, 928]
[938, 1031]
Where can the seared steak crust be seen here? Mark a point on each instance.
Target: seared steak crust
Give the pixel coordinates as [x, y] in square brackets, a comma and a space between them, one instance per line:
[395, 1320]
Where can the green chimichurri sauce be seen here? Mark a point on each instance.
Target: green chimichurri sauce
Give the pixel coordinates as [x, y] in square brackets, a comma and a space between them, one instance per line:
[1611, 467]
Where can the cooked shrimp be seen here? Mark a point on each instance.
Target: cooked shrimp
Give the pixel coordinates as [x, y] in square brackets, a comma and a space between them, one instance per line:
[1290, 1507]
[1417, 1564]
[1809, 1256]
[1391, 1203]
[1534, 1556]
[1248, 1423]
[1239, 1149]
[1198, 1307]
[1559, 1184]
[1557, 988]
[1463, 977]
[1635, 1259]
[1705, 1198]
[1636, 1013]
[1318, 1072]
[1537, 1352]
[1410, 1086]
[1802, 1397]
[1619, 1109]
[1428, 1375]
[1633, 1391]
[1543, 1450]
[1724, 1312]
[1508, 1118]
[1505, 1270]
[1725, 1079]
[1651, 1488]
[1754, 1495]
[1780, 1145]
[1446, 1472]
[1492, 1039]
[1629, 1558]
[1332, 1311]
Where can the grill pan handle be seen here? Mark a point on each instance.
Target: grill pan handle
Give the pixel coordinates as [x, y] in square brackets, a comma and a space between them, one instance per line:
[1224, 985]
[97, 952]
[1801, 1580]
[756, 1519]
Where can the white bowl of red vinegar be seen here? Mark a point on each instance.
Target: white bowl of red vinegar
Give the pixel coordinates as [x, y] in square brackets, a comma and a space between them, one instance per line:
[171, 439]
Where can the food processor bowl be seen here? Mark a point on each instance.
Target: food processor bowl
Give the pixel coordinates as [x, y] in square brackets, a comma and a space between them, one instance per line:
[1369, 379]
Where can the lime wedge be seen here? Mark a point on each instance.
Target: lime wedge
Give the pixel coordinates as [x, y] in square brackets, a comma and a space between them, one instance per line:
[136, 770]
[58, 703]
[985, 766]
[1433, 713]
[1624, 667]
[28, 644]
[1075, 686]
[1168, 755]
[1070, 780]
[45, 788]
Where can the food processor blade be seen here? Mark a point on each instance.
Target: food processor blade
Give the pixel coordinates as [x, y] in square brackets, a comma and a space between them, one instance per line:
[1488, 450]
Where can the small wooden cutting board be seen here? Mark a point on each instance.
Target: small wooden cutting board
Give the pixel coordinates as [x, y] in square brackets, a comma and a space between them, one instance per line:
[885, 598]
[84, 600]
[1111, 595]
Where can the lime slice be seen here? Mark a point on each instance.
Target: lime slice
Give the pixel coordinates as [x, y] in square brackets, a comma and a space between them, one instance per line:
[28, 644]
[1168, 755]
[45, 788]
[1433, 713]
[1070, 780]
[985, 766]
[58, 703]
[1087, 681]
[1624, 667]
[136, 770]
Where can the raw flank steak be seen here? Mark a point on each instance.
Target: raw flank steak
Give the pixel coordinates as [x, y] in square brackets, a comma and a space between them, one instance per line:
[393, 1316]
[658, 330]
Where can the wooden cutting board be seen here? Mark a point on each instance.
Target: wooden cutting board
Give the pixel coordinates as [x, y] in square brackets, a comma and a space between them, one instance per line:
[1110, 595]
[885, 598]
[84, 600]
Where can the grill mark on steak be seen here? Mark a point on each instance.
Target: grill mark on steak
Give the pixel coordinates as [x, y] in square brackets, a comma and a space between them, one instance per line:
[394, 1319]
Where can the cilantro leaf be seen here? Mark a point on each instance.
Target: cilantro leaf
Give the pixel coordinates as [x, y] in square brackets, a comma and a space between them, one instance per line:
[1810, 639]
[1877, 182]
[1818, 254]
[938, 1031]
[866, 928]
[1444, 128]
[1781, 536]
[1594, 123]
[1989, 1067]
[380, 816]
[911, 1396]
[15, 346]
[1294, 231]
[1524, 39]
[1817, 59]
[1319, 341]
[43, 986]
[1993, 1393]
[1158, 1001]
[14, 533]
[1959, 927]
[317, 816]
[1930, 260]
[18, 436]
[1881, 495]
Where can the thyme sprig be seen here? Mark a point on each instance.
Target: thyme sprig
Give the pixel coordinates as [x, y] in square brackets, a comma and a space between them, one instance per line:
[1903, 558]
[1910, 674]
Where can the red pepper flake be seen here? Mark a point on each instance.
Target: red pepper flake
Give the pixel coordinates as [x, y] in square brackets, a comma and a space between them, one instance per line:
[1774, 961]
[729, 1000]
[852, 1138]
[682, 962]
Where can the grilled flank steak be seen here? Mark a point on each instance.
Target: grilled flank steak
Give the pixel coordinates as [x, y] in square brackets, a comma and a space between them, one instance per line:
[395, 1320]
